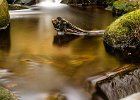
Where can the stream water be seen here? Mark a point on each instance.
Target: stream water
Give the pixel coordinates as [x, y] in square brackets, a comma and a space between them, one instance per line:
[33, 66]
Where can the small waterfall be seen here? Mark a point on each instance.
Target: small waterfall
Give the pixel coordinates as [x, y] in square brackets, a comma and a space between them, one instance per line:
[49, 3]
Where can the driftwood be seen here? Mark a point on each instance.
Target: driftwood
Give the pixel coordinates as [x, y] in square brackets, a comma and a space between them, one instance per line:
[116, 84]
[62, 27]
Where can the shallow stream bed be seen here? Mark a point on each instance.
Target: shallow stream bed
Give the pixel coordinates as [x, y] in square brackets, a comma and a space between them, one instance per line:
[34, 66]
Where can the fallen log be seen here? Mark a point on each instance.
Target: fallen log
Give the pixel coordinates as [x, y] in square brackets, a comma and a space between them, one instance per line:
[116, 84]
[62, 27]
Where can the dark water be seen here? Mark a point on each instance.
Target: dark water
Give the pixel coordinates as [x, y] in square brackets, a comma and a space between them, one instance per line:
[33, 66]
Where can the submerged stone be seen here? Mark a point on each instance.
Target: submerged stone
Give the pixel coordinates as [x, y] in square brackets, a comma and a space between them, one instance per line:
[122, 37]
[4, 14]
[7, 95]
[56, 96]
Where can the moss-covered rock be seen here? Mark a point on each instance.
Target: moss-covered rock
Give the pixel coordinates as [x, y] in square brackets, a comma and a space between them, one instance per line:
[122, 7]
[4, 14]
[123, 35]
[7, 95]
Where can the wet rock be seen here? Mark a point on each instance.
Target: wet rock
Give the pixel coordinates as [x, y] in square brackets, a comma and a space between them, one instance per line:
[26, 2]
[100, 2]
[7, 95]
[122, 37]
[17, 7]
[4, 14]
[103, 3]
[116, 84]
[77, 2]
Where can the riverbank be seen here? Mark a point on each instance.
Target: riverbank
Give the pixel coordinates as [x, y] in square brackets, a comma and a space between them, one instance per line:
[118, 7]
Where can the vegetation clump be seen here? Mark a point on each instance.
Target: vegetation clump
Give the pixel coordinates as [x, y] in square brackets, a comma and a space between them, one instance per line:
[123, 35]
[122, 7]
[4, 14]
[7, 95]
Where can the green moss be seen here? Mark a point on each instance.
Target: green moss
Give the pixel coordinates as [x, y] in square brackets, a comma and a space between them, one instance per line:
[4, 14]
[124, 28]
[6, 94]
[110, 2]
[125, 5]
[122, 37]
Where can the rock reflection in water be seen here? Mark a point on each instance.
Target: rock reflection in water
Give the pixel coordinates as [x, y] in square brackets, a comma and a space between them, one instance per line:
[5, 39]
[63, 39]
[57, 67]
[5, 42]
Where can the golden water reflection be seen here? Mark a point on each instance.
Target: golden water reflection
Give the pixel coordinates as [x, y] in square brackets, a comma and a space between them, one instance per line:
[39, 66]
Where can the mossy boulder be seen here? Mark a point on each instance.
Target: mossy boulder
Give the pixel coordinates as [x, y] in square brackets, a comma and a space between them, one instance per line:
[122, 7]
[123, 36]
[4, 14]
[7, 95]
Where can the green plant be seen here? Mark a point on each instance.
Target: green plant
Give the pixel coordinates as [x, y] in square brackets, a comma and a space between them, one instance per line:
[6, 94]
[124, 5]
